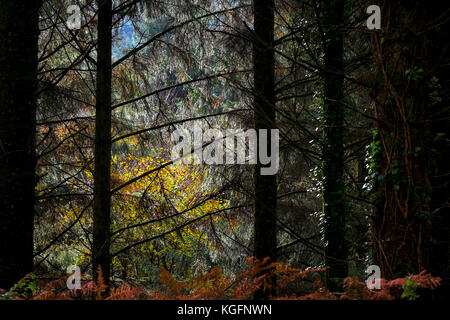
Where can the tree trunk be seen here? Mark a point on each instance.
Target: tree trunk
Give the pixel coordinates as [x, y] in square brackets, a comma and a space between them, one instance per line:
[18, 70]
[439, 114]
[102, 181]
[334, 205]
[410, 200]
[264, 104]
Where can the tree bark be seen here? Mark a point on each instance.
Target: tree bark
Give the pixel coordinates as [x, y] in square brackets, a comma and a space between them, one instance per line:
[334, 205]
[265, 236]
[18, 70]
[410, 221]
[439, 114]
[102, 172]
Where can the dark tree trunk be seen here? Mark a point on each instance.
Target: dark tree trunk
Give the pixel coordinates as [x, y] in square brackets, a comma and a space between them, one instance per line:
[18, 69]
[439, 114]
[410, 212]
[438, 142]
[265, 236]
[102, 175]
[334, 206]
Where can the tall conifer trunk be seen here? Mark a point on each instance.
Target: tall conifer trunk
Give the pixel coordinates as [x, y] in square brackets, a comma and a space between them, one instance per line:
[334, 206]
[411, 224]
[264, 103]
[102, 175]
[18, 70]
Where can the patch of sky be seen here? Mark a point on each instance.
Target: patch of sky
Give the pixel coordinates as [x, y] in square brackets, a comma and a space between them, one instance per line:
[125, 40]
[128, 37]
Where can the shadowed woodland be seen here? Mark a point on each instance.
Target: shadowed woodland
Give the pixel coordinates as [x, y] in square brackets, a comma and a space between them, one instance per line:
[86, 171]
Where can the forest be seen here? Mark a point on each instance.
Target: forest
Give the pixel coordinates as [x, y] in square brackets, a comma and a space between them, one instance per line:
[224, 150]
